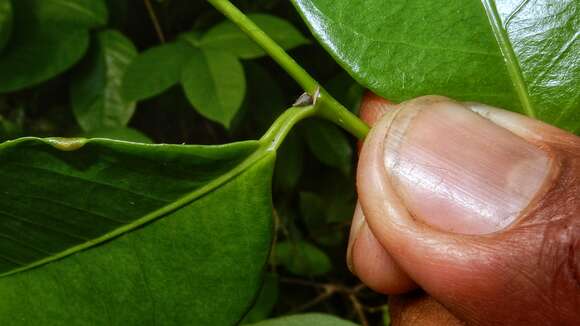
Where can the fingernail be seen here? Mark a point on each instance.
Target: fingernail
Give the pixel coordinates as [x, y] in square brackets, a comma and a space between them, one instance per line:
[459, 172]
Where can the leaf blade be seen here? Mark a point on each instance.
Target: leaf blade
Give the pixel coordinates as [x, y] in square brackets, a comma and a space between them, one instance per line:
[96, 89]
[45, 41]
[215, 84]
[160, 269]
[155, 70]
[227, 37]
[404, 49]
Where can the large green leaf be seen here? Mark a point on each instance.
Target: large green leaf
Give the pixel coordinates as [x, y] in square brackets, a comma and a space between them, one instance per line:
[215, 85]
[314, 319]
[5, 22]
[96, 88]
[104, 232]
[155, 70]
[521, 55]
[228, 37]
[48, 37]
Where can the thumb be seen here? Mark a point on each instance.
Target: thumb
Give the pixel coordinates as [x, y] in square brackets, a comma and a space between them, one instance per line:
[480, 207]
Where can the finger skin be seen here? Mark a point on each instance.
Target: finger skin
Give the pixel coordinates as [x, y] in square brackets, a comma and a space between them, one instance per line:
[366, 258]
[527, 274]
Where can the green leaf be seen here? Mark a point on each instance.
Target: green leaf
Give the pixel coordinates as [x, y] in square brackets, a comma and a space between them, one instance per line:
[5, 22]
[126, 134]
[96, 88]
[302, 258]
[289, 163]
[266, 300]
[228, 37]
[215, 85]
[155, 70]
[329, 144]
[101, 232]
[48, 37]
[520, 55]
[314, 319]
[313, 210]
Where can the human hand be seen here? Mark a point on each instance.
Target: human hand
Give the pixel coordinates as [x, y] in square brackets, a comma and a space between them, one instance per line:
[477, 206]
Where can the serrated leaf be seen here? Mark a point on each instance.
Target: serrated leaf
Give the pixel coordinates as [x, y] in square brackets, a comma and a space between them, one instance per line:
[215, 85]
[329, 144]
[520, 55]
[125, 134]
[96, 87]
[102, 232]
[302, 258]
[228, 37]
[48, 37]
[155, 70]
[314, 319]
[5, 22]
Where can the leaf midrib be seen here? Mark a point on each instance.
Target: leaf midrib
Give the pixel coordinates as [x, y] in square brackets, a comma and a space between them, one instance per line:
[260, 153]
[511, 60]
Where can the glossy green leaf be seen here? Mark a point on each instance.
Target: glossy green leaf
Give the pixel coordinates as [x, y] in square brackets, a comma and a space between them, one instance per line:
[96, 88]
[520, 55]
[5, 22]
[155, 70]
[266, 300]
[312, 319]
[48, 37]
[215, 85]
[329, 144]
[302, 258]
[228, 37]
[126, 134]
[104, 232]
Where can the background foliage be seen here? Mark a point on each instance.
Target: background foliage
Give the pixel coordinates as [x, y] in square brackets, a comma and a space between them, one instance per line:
[175, 71]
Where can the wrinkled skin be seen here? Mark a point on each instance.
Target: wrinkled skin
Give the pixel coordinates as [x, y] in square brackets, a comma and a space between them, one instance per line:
[525, 273]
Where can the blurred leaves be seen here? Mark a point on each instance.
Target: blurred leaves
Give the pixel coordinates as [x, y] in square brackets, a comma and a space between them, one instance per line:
[302, 258]
[5, 22]
[48, 37]
[96, 88]
[329, 144]
[228, 37]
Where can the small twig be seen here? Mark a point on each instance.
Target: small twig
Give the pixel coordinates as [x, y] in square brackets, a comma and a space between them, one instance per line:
[298, 281]
[359, 309]
[155, 21]
[327, 293]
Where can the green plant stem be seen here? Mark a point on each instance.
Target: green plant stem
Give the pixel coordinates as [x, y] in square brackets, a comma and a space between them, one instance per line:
[273, 138]
[326, 106]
